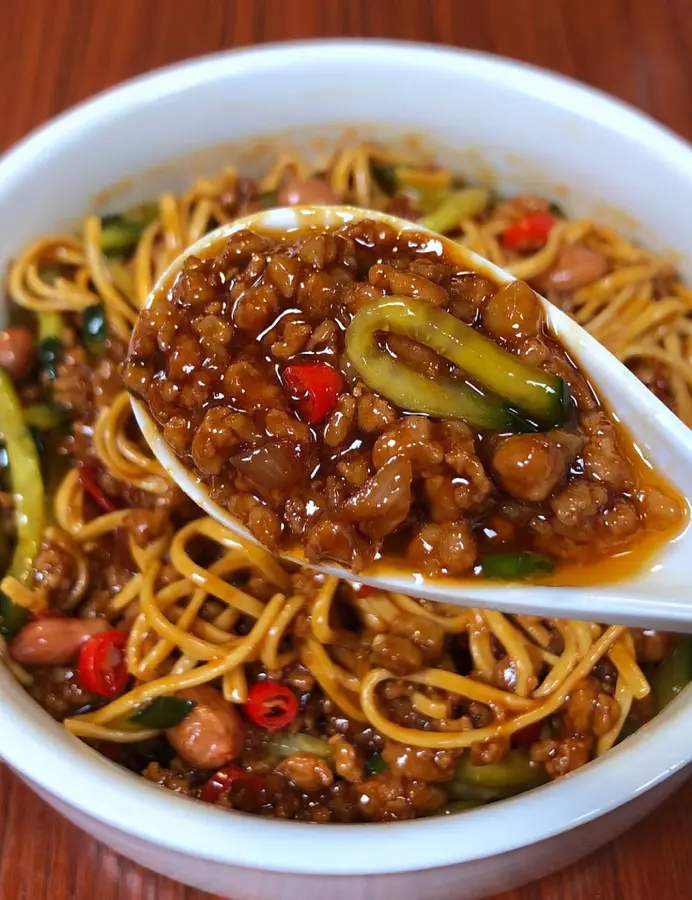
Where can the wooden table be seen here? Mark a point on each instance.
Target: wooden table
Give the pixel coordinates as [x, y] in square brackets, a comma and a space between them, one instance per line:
[54, 53]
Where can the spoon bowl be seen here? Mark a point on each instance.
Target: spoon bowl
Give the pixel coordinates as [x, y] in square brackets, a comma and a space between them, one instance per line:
[655, 596]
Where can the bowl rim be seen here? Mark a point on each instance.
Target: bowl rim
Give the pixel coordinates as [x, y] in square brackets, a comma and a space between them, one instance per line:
[101, 790]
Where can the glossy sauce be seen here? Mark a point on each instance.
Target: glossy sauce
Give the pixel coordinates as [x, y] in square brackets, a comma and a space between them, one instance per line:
[315, 284]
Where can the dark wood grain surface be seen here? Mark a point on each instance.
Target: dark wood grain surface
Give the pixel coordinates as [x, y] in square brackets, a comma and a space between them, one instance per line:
[54, 53]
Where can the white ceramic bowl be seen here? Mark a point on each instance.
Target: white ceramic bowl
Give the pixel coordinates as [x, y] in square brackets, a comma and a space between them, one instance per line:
[533, 131]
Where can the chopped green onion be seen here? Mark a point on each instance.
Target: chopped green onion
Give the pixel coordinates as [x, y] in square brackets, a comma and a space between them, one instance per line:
[375, 765]
[513, 384]
[284, 743]
[427, 187]
[673, 674]
[515, 565]
[13, 617]
[455, 209]
[49, 353]
[475, 793]
[385, 176]
[50, 326]
[120, 233]
[484, 784]
[25, 479]
[515, 770]
[44, 416]
[162, 713]
[95, 329]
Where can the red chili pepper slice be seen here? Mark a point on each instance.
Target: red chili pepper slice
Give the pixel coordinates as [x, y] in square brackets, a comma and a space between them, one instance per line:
[270, 705]
[88, 481]
[315, 388]
[102, 668]
[365, 590]
[223, 779]
[527, 736]
[529, 233]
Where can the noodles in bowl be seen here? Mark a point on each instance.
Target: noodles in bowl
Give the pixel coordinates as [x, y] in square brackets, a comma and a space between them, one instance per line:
[201, 662]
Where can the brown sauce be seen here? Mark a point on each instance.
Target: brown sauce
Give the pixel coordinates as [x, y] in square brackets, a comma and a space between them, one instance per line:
[336, 470]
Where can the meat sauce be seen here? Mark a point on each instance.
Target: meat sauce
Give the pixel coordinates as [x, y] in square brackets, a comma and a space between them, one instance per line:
[244, 365]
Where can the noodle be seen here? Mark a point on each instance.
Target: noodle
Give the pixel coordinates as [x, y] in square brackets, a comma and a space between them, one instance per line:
[225, 654]
[459, 684]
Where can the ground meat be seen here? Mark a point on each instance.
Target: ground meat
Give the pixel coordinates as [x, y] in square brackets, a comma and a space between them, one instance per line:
[408, 284]
[419, 764]
[590, 710]
[107, 382]
[56, 571]
[489, 752]
[611, 528]
[72, 386]
[386, 798]
[444, 549]
[220, 432]
[348, 759]
[294, 336]
[652, 646]
[603, 458]
[412, 439]
[245, 364]
[80, 382]
[147, 525]
[255, 309]
[562, 756]
[341, 422]
[354, 468]
[307, 772]
[374, 413]
[513, 313]
[398, 655]
[469, 294]
[427, 635]
[262, 521]
[339, 540]
[472, 488]
[579, 503]
[169, 779]
[529, 466]
[59, 691]
[384, 501]
[606, 675]
[415, 355]
[657, 508]
[504, 674]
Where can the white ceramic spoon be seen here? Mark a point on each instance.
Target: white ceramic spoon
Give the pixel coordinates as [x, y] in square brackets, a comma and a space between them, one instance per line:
[657, 596]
